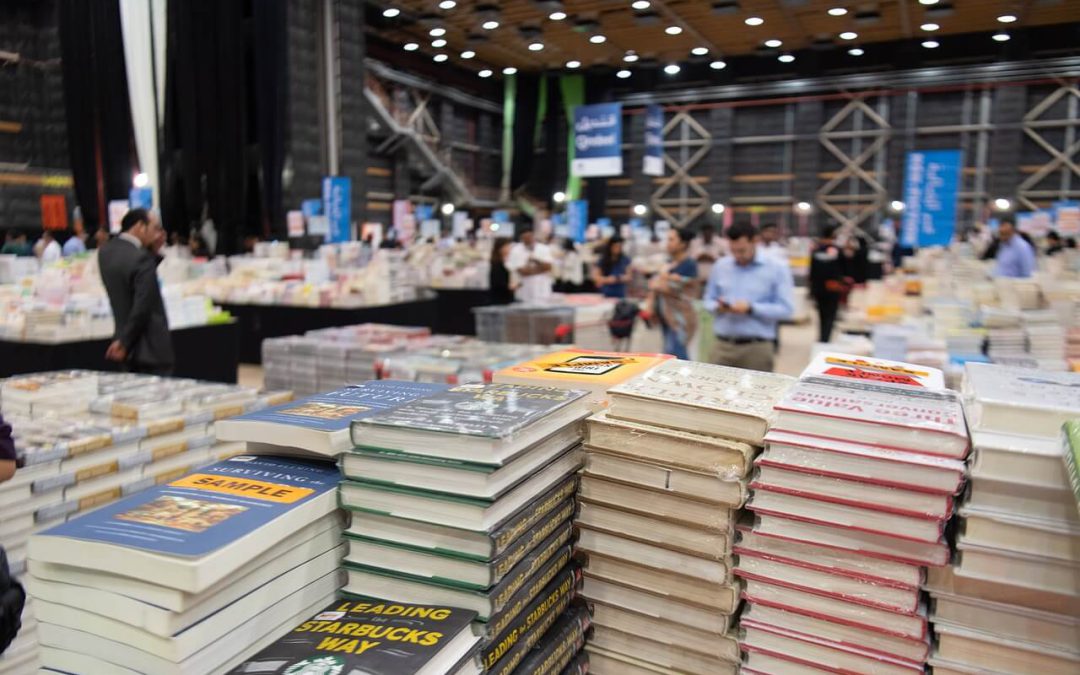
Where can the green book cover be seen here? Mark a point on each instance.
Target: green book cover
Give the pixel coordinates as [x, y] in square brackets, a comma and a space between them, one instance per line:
[1071, 456]
[410, 458]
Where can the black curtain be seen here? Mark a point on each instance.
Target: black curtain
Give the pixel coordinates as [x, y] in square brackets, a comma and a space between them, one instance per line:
[525, 112]
[271, 95]
[96, 108]
[549, 167]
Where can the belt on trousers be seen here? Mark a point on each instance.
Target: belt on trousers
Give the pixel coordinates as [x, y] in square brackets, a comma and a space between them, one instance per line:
[741, 340]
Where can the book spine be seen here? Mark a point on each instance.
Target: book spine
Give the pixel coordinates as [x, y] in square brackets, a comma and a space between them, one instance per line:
[506, 534]
[939, 516]
[516, 578]
[561, 644]
[500, 621]
[502, 565]
[579, 666]
[509, 648]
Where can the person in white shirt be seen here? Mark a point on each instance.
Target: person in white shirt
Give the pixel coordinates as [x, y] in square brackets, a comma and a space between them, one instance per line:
[50, 250]
[769, 243]
[532, 263]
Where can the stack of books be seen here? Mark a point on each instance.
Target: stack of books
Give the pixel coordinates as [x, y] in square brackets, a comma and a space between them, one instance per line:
[1010, 603]
[850, 498]
[42, 393]
[665, 477]
[191, 576]
[464, 499]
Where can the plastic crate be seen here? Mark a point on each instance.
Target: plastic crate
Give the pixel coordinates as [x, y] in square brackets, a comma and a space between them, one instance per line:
[491, 323]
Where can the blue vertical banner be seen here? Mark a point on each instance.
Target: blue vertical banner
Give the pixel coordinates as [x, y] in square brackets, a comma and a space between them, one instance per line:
[577, 219]
[598, 140]
[337, 205]
[141, 198]
[931, 192]
[653, 163]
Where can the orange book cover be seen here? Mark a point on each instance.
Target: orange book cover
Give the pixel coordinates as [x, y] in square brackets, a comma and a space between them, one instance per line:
[580, 368]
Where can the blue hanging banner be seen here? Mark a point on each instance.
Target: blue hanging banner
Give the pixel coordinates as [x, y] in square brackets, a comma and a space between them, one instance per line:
[653, 163]
[931, 192]
[598, 140]
[337, 205]
[311, 207]
[141, 198]
[577, 219]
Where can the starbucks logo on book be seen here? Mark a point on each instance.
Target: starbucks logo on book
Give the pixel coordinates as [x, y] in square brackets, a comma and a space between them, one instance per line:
[323, 665]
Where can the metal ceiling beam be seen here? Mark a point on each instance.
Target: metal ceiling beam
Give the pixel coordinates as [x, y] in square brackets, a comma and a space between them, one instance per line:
[387, 73]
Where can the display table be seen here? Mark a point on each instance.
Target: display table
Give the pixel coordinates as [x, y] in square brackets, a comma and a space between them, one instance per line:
[202, 352]
[258, 322]
[454, 315]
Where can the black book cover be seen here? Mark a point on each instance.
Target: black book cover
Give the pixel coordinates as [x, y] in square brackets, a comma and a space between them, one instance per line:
[559, 520]
[362, 636]
[484, 410]
[552, 547]
[559, 646]
[579, 666]
[508, 532]
[500, 621]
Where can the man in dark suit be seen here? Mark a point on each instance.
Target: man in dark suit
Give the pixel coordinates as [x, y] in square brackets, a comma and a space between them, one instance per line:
[129, 272]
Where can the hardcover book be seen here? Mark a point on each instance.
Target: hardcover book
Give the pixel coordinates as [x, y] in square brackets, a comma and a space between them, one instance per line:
[990, 652]
[658, 476]
[874, 545]
[869, 369]
[607, 661]
[685, 637]
[1026, 459]
[680, 537]
[655, 504]
[321, 423]
[714, 618]
[805, 649]
[673, 657]
[673, 585]
[560, 645]
[654, 556]
[1019, 400]
[580, 369]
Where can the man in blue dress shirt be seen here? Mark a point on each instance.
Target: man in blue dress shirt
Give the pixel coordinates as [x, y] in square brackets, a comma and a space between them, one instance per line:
[750, 293]
[1015, 256]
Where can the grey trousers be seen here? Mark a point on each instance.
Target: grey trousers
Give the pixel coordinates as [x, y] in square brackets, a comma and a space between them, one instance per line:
[750, 355]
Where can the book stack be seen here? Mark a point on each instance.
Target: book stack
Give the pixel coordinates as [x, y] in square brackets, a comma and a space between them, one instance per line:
[850, 498]
[43, 393]
[665, 475]
[191, 576]
[464, 498]
[1011, 602]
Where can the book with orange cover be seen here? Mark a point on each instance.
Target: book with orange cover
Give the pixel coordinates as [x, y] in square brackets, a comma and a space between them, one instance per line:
[580, 369]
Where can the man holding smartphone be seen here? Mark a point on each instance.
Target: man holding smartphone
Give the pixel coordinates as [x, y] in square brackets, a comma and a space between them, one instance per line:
[749, 293]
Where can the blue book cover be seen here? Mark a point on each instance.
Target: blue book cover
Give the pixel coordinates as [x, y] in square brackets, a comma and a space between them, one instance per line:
[208, 508]
[335, 410]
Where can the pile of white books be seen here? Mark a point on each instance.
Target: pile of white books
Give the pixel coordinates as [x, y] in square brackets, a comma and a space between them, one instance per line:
[665, 477]
[1011, 602]
[191, 576]
[851, 498]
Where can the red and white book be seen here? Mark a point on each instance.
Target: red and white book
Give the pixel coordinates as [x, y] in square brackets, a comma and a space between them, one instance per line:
[857, 494]
[878, 371]
[859, 461]
[924, 421]
[768, 501]
[811, 652]
[873, 545]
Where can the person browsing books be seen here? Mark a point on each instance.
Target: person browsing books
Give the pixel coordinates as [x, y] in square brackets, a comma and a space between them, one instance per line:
[672, 292]
[612, 272]
[532, 263]
[1015, 255]
[750, 292]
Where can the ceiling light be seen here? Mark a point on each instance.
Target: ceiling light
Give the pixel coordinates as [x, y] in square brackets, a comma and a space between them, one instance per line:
[468, 54]
[141, 180]
[623, 74]
[928, 2]
[1001, 36]
[718, 208]
[774, 43]
[699, 51]
[640, 4]
[447, 4]
[447, 209]
[718, 65]
[1002, 204]
[437, 32]
[598, 39]
[439, 58]
[536, 47]
[509, 70]
[557, 16]
[838, 11]
[490, 25]
[754, 21]
[391, 12]
[929, 27]
[438, 44]
[573, 64]
[411, 47]
[558, 197]
[672, 69]
[1007, 18]
[804, 207]
[485, 73]
[673, 30]
[630, 57]
[856, 51]
[785, 58]
[848, 35]
[640, 209]
[896, 205]
[931, 44]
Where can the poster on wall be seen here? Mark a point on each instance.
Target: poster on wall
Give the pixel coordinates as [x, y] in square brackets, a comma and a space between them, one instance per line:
[1067, 218]
[931, 189]
[598, 140]
[337, 206]
[577, 219]
[117, 209]
[653, 163]
[54, 212]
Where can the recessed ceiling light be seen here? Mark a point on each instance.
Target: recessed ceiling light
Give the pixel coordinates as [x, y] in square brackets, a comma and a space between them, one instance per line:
[630, 57]
[509, 70]
[468, 54]
[848, 35]
[718, 208]
[856, 51]
[437, 32]
[699, 51]
[774, 43]
[931, 44]
[1001, 36]
[411, 46]
[536, 47]
[1007, 18]
[718, 65]
[447, 4]
[754, 21]
[640, 209]
[640, 4]
[485, 73]
[439, 58]
[557, 16]
[785, 58]
[598, 39]
[438, 44]
[672, 69]
[623, 74]
[573, 64]
[490, 25]
[928, 2]
[929, 27]
[391, 12]
[673, 30]
[838, 11]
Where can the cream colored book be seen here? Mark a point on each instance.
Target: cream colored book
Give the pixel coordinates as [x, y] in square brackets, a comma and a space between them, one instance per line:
[988, 651]
[680, 449]
[670, 584]
[702, 398]
[656, 504]
[634, 623]
[1036, 461]
[656, 557]
[694, 485]
[837, 515]
[949, 579]
[874, 545]
[995, 529]
[759, 663]
[669, 656]
[714, 618]
[1019, 400]
[939, 666]
[1060, 631]
[776, 641]
[1022, 499]
[1007, 566]
[665, 533]
[606, 662]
